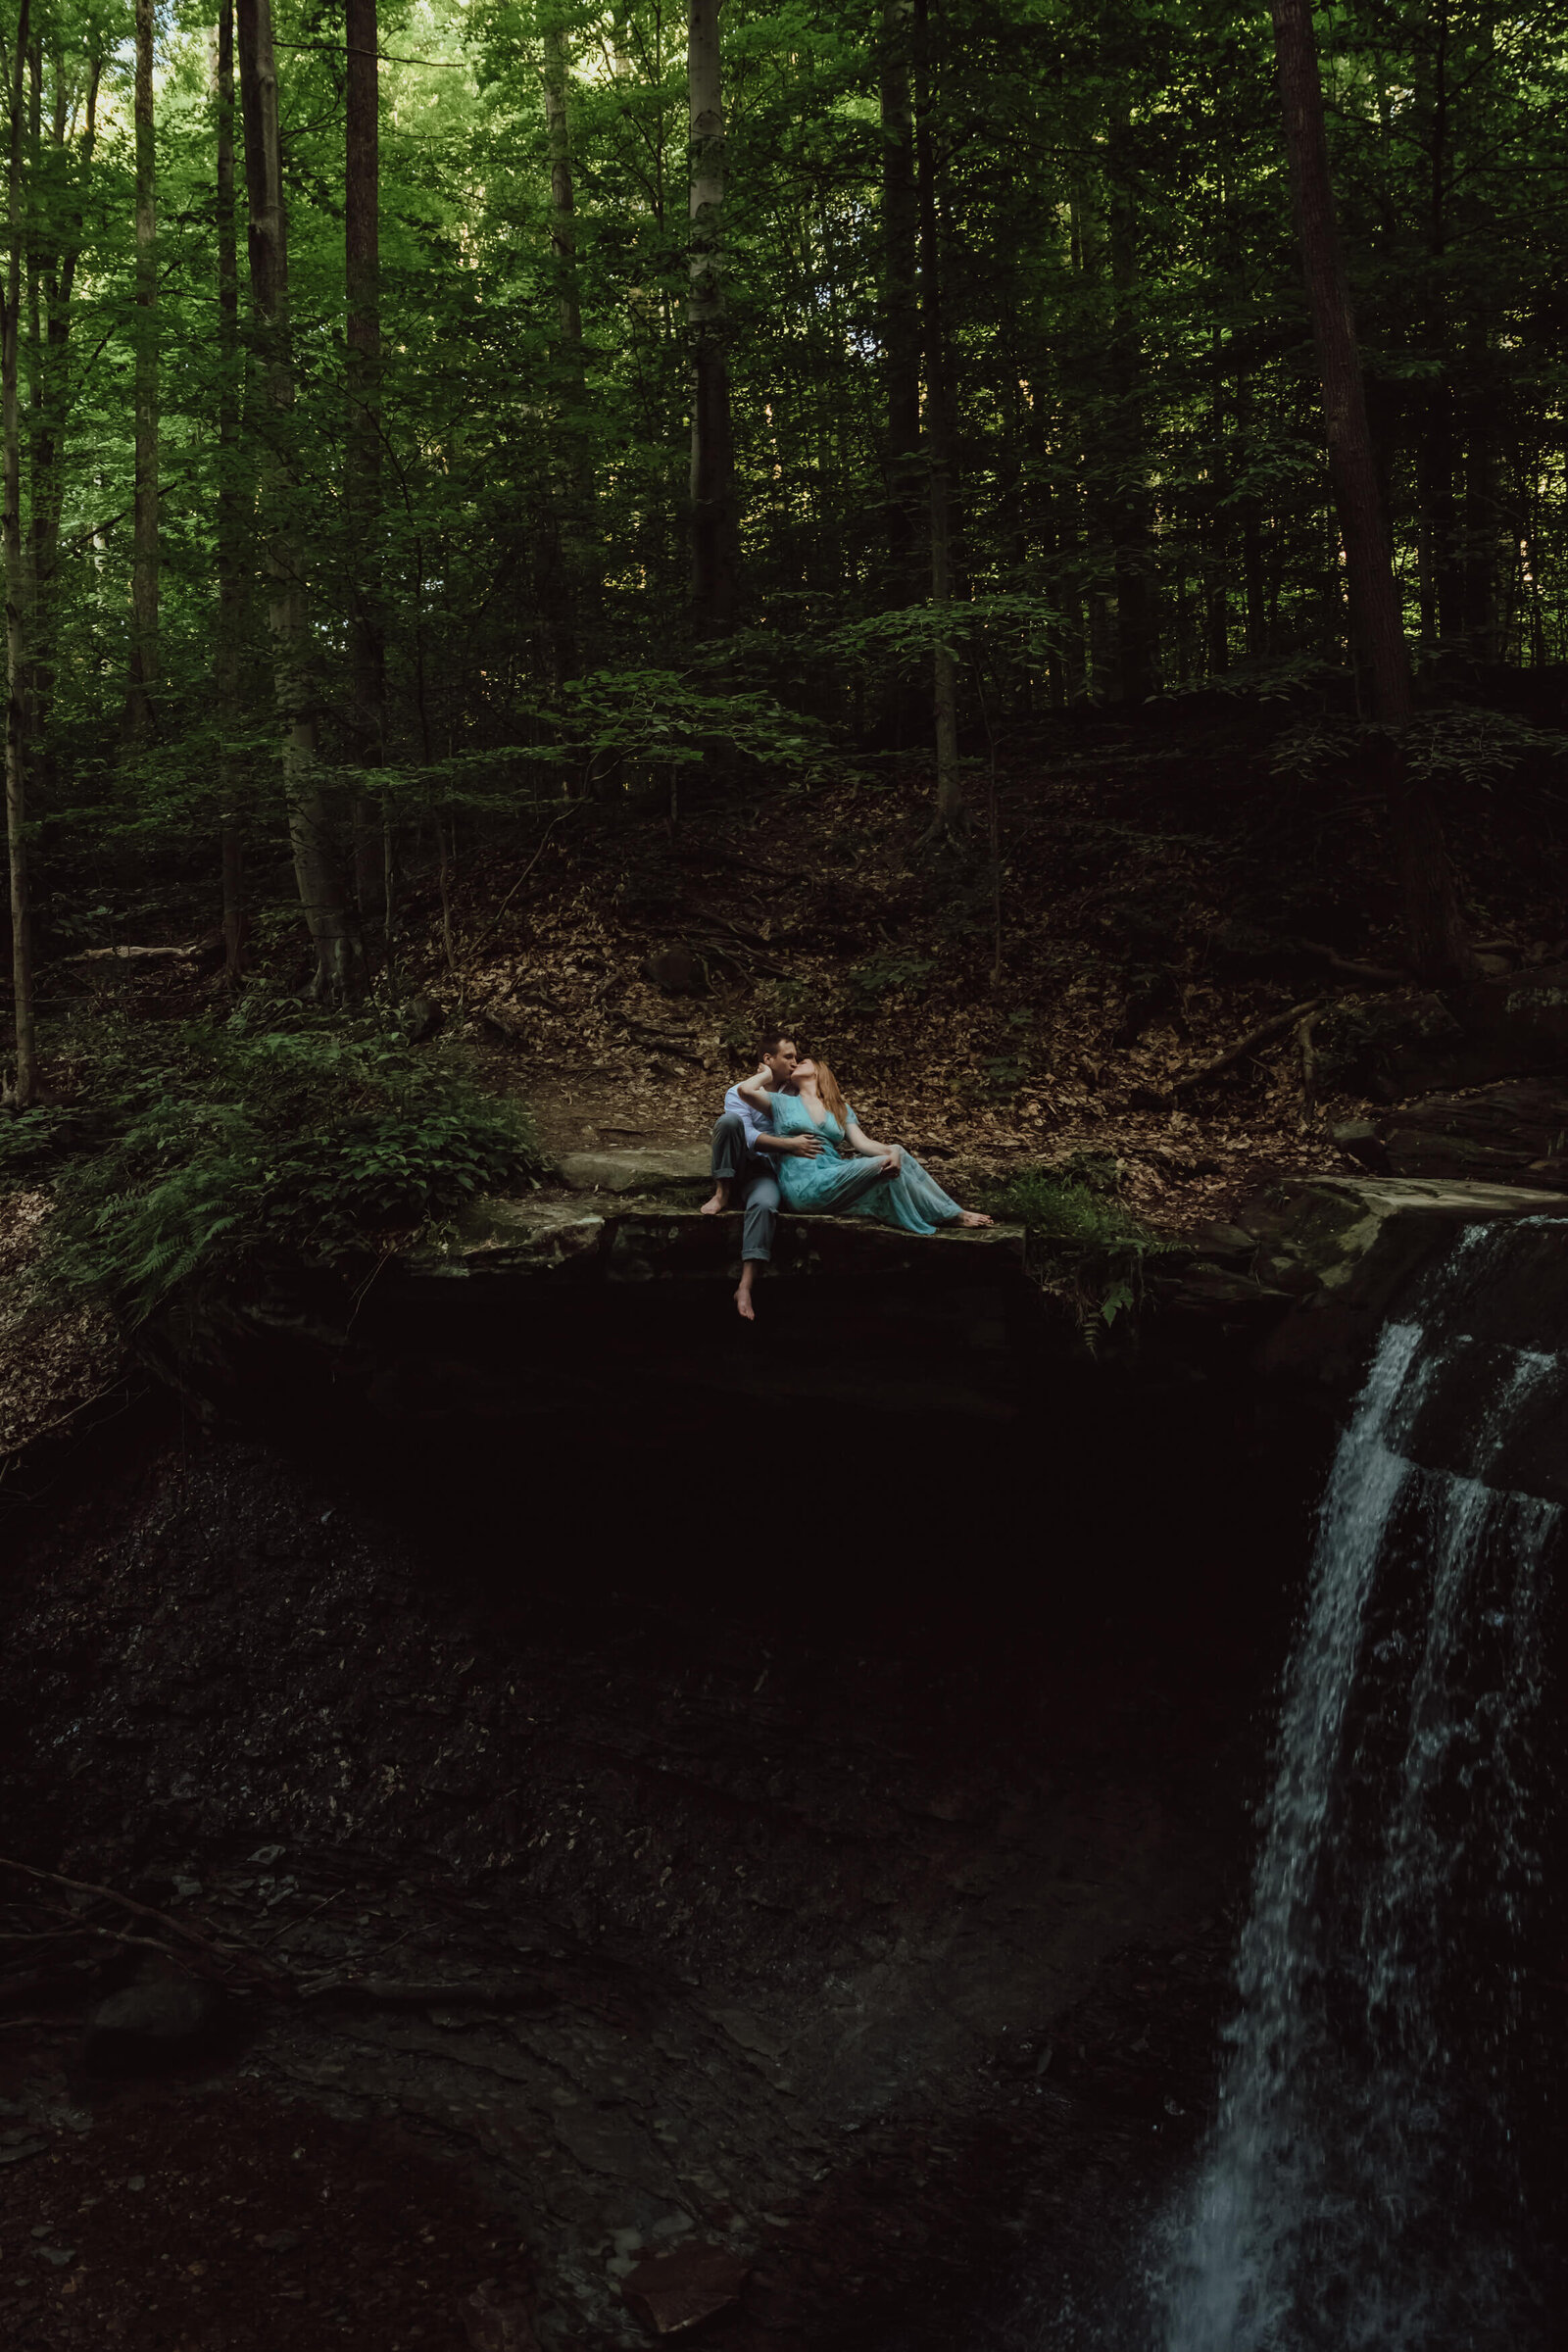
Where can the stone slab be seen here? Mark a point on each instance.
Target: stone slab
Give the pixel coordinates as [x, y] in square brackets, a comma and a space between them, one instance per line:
[636, 1241]
[671, 1244]
[654, 1170]
[530, 1236]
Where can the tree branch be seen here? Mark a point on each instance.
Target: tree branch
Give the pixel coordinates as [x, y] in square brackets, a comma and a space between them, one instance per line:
[1272, 1027]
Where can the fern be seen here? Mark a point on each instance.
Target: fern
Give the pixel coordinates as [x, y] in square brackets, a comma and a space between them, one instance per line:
[289, 1141]
[1097, 1250]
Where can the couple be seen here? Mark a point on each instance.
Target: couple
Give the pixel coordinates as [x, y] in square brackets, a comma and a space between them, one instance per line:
[787, 1132]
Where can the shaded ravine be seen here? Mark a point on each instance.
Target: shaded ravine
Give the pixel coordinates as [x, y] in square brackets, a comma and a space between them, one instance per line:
[822, 1837]
[824, 1878]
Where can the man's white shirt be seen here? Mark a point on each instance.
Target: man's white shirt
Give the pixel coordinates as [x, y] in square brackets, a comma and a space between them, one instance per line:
[756, 1123]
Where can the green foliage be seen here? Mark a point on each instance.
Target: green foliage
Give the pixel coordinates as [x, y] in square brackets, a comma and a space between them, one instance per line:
[870, 984]
[1002, 1076]
[1282, 678]
[1453, 743]
[1477, 748]
[32, 1142]
[1096, 1250]
[1129, 395]
[661, 717]
[1025, 628]
[272, 1140]
[1119, 380]
[1067, 1206]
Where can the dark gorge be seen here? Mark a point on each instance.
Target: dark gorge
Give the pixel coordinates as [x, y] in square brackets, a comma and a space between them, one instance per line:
[803, 1907]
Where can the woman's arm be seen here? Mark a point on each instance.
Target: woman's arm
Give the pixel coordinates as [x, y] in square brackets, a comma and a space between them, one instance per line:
[790, 1144]
[861, 1141]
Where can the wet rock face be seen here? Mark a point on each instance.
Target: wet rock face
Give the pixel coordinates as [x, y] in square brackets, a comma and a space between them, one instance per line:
[683, 1833]
[546, 1318]
[1366, 1243]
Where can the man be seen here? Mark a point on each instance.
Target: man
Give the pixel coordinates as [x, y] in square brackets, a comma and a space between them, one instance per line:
[743, 1145]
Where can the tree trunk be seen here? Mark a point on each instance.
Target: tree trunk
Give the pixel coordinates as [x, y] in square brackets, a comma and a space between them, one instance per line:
[716, 519]
[578, 546]
[1443, 570]
[144, 562]
[232, 574]
[620, 40]
[1128, 502]
[362, 240]
[1257, 636]
[1435, 933]
[1216, 566]
[32, 373]
[26, 1081]
[1443, 586]
[1482, 525]
[58, 279]
[900, 307]
[950, 811]
[322, 897]
[562, 227]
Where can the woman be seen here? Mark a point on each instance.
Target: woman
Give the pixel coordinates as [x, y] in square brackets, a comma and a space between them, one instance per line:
[854, 1174]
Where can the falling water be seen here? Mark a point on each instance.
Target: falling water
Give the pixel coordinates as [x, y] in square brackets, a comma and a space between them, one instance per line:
[1360, 2191]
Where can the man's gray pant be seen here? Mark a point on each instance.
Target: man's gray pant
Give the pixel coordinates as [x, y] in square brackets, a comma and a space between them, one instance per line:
[754, 1180]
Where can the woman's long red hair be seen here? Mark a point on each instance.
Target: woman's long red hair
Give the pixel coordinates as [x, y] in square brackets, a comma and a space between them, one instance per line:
[827, 1086]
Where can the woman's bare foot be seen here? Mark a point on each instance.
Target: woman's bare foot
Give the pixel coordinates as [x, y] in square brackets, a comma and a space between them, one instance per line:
[973, 1216]
[743, 1305]
[719, 1203]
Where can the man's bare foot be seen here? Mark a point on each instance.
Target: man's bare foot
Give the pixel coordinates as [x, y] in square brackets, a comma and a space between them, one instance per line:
[973, 1216]
[719, 1203]
[743, 1305]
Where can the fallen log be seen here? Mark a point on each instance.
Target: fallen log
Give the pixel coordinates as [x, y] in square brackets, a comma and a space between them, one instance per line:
[1273, 1027]
[137, 954]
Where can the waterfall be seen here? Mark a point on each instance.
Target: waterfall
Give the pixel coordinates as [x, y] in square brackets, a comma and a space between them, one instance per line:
[1360, 2190]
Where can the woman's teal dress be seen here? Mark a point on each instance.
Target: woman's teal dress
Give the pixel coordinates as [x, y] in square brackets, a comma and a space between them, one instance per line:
[853, 1185]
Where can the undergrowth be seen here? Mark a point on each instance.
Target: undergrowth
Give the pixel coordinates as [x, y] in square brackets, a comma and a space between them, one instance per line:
[1100, 1272]
[275, 1137]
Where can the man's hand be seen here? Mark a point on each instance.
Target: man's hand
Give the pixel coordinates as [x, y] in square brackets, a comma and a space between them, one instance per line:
[804, 1147]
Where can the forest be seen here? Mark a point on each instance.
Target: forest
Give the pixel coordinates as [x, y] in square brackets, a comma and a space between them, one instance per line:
[442, 437]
